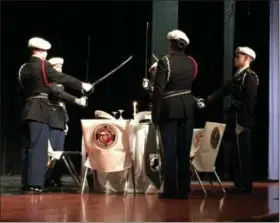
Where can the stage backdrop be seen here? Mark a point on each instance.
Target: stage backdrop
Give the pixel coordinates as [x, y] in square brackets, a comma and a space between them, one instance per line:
[117, 30]
[252, 29]
[205, 29]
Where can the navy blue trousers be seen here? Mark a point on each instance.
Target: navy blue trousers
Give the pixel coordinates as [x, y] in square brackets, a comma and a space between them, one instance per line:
[57, 139]
[35, 154]
[242, 159]
[176, 136]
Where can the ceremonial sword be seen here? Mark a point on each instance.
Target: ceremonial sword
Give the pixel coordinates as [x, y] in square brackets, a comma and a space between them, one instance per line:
[107, 75]
[113, 71]
[155, 57]
[146, 49]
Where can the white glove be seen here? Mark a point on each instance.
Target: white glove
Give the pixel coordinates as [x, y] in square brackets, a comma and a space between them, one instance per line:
[81, 101]
[87, 87]
[239, 129]
[66, 129]
[145, 83]
[200, 102]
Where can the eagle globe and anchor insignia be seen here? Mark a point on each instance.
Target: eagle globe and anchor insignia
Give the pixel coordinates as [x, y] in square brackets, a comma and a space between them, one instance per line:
[215, 138]
[105, 136]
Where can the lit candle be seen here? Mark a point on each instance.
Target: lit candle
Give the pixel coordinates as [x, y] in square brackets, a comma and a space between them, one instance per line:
[134, 107]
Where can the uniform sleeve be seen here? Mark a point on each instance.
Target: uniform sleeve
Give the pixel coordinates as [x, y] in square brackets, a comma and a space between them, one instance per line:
[159, 85]
[221, 92]
[61, 94]
[61, 78]
[250, 89]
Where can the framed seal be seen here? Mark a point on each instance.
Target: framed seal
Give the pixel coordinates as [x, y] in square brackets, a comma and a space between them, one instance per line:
[215, 138]
[105, 136]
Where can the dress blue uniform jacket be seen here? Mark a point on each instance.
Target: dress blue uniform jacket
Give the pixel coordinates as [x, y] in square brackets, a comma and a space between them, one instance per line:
[34, 83]
[174, 74]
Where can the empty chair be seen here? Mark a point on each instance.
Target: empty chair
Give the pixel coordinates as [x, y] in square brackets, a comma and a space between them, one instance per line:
[103, 115]
[196, 141]
[144, 116]
[107, 145]
[65, 156]
[204, 159]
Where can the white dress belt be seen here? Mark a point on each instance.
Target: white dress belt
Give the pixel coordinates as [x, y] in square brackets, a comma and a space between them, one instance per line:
[176, 93]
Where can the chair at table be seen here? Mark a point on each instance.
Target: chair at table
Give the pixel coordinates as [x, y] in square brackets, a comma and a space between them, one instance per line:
[196, 141]
[103, 115]
[90, 125]
[143, 117]
[55, 156]
[204, 159]
[99, 115]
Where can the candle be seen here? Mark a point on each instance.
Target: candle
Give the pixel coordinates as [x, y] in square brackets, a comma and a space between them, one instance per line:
[134, 107]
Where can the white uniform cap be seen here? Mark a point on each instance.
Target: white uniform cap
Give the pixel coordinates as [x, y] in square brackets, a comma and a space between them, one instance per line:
[176, 35]
[39, 43]
[246, 50]
[153, 66]
[56, 60]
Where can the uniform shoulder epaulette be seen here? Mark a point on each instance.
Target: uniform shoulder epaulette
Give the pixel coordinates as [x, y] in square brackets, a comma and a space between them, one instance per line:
[19, 74]
[251, 71]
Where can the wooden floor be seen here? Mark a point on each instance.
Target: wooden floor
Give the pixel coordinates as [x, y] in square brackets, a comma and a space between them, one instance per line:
[60, 207]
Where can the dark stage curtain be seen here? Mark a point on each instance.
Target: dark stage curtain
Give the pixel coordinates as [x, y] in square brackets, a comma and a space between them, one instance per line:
[203, 23]
[117, 30]
[252, 29]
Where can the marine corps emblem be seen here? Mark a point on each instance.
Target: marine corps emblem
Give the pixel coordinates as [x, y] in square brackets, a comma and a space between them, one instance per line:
[105, 136]
[215, 138]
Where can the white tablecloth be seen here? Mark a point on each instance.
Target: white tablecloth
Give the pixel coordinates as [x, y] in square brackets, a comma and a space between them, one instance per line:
[144, 147]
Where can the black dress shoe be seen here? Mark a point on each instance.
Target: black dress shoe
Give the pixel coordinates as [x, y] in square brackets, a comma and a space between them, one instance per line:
[183, 196]
[58, 182]
[31, 190]
[239, 190]
[167, 196]
[53, 183]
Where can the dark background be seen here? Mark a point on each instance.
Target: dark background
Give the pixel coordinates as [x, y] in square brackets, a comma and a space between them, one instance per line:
[117, 30]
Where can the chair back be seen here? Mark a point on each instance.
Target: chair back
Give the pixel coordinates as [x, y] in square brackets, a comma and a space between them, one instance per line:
[54, 154]
[107, 144]
[196, 141]
[205, 158]
[144, 116]
[103, 115]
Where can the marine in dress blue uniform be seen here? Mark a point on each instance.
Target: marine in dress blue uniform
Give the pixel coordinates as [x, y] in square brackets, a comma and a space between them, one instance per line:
[173, 113]
[34, 76]
[58, 120]
[241, 118]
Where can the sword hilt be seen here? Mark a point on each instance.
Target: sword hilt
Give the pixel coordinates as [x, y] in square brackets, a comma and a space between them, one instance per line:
[85, 93]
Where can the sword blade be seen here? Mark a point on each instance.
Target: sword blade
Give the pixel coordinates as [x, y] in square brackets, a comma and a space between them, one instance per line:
[113, 71]
[155, 57]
